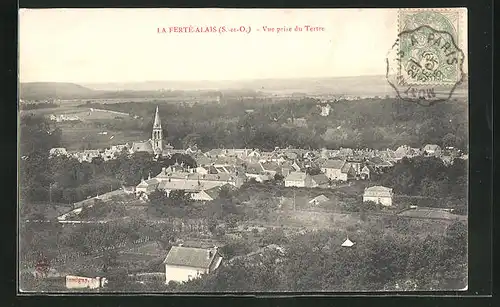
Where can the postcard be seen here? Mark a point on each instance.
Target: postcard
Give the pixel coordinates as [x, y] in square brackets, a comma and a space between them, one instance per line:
[242, 150]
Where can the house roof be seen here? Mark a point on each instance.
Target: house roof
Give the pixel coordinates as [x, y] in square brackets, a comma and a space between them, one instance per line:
[378, 191]
[214, 152]
[346, 167]
[320, 179]
[152, 181]
[142, 146]
[296, 176]
[348, 243]
[188, 185]
[431, 147]
[271, 166]
[203, 160]
[213, 192]
[320, 198]
[379, 161]
[335, 164]
[190, 256]
[254, 168]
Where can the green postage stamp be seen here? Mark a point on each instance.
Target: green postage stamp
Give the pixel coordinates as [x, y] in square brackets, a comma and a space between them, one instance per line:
[426, 61]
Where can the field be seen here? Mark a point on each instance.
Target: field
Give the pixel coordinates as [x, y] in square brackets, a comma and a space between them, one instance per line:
[87, 133]
[74, 137]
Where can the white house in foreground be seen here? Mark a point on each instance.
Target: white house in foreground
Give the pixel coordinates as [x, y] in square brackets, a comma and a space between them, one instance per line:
[378, 194]
[185, 263]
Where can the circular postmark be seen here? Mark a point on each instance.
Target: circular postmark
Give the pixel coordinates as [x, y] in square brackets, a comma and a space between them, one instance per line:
[424, 65]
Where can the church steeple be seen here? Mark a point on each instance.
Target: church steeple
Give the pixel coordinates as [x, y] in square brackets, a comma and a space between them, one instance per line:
[157, 122]
[157, 137]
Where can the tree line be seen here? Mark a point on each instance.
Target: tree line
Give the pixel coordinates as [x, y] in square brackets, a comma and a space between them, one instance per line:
[429, 177]
[368, 123]
[63, 179]
[318, 262]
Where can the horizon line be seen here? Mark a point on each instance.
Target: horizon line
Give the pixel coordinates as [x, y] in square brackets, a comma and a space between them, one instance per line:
[207, 80]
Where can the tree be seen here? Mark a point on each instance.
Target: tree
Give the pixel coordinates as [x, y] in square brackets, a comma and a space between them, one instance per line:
[278, 177]
[450, 140]
[313, 171]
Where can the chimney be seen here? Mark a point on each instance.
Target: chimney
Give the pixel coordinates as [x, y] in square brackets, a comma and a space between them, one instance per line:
[209, 254]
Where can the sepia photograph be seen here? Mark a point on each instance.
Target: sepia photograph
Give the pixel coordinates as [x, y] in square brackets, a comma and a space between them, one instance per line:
[242, 151]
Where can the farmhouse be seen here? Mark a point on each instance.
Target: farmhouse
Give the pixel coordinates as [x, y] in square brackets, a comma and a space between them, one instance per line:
[365, 173]
[338, 170]
[58, 151]
[210, 194]
[146, 186]
[378, 194]
[320, 181]
[298, 179]
[432, 150]
[186, 263]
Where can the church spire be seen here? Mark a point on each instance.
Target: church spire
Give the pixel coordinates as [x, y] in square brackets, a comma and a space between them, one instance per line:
[157, 122]
[157, 137]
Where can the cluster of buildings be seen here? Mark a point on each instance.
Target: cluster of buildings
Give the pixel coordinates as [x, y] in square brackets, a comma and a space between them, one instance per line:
[89, 154]
[232, 167]
[63, 118]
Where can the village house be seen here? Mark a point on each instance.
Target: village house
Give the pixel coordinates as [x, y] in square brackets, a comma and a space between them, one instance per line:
[186, 263]
[338, 170]
[378, 164]
[58, 151]
[128, 190]
[357, 166]
[256, 171]
[320, 181]
[298, 179]
[325, 109]
[146, 186]
[192, 188]
[202, 160]
[193, 178]
[345, 152]
[365, 173]
[87, 155]
[432, 150]
[215, 153]
[209, 194]
[378, 194]
[405, 151]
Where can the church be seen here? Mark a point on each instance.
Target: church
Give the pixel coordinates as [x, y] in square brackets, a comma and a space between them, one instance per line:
[154, 145]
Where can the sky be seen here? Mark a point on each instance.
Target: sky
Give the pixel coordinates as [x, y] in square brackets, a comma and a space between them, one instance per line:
[123, 45]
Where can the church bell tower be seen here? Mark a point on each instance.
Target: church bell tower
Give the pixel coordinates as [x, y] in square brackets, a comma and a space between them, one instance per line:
[157, 137]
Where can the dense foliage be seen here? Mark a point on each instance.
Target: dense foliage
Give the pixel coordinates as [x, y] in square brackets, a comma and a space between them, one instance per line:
[378, 260]
[65, 179]
[372, 123]
[429, 177]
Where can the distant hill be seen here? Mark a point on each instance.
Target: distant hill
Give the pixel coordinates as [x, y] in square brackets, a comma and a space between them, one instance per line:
[354, 86]
[360, 85]
[55, 90]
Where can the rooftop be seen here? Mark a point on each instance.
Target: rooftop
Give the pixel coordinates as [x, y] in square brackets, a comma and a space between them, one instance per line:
[190, 256]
